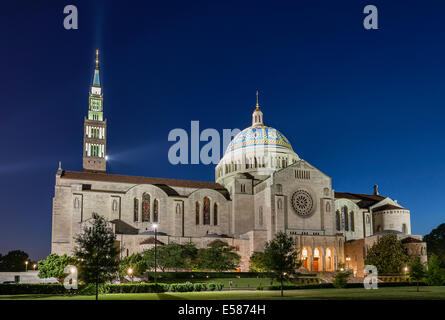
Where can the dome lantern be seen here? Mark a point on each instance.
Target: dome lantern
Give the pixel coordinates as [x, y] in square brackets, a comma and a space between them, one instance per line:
[257, 116]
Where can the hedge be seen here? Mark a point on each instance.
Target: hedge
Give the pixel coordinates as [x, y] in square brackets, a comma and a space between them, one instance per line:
[20, 288]
[205, 275]
[349, 285]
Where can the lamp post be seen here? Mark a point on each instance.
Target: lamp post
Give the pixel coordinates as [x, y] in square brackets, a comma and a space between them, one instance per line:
[155, 227]
[347, 260]
[34, 266]
[26, 266]
[130, 273]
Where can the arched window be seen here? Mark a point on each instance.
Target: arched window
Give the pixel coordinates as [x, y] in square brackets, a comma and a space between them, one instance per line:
[260, 216]
[155, 210]
[197, 212]
[404, 228]
[178, 208]
[338, 220]
[215, 214]
[206, 210]
[136, 210]
[368, 221]
[328, 207]
[351, 221]
[114, 205]
[76, 203]
[346, 218]
[280, 204]
[279, 188]
[145, 207]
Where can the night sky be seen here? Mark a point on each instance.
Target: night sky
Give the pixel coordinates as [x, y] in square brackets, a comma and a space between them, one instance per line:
[364, 106]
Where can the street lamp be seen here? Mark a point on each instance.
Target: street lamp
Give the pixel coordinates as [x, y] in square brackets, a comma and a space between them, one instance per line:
[26, 264]
[130, 273]
[347, 260]
[34, 266]
[155, 227]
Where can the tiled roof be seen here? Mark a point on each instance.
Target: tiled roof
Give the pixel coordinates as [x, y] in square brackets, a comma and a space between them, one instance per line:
[162, 182]
[358, 196]
[388, 207]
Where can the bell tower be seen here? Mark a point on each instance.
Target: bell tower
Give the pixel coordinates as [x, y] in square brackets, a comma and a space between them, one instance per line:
[95, 128]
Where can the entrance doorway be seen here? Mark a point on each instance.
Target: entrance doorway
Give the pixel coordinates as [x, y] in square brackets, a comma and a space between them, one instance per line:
[316, 264]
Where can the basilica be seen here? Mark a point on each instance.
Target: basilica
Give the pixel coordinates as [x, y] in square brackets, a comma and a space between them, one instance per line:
[262, 187]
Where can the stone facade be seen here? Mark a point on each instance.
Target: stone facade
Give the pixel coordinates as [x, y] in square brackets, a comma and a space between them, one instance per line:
[262, 187]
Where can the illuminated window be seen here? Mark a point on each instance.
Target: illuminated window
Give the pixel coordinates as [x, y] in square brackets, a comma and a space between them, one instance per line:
[316, 253]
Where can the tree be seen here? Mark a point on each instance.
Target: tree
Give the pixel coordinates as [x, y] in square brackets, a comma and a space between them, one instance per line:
[136, 262]
[53, 266]
[434, 275]
[219, 256]
[190, 254]
[174, 256]
[281, 258]
[257, 262]
[97, 252]
[417, 270]
[388, 254]
[341, 277]
[435, 243]
[15, 261]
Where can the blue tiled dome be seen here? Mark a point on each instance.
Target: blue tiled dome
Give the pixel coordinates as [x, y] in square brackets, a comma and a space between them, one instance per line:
[259, 136]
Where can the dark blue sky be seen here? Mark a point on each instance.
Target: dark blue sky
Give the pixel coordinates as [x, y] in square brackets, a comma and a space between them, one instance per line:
[364, 107]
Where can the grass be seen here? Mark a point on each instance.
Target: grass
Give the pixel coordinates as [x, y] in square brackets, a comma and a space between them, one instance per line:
[242, 283]
[398, 293]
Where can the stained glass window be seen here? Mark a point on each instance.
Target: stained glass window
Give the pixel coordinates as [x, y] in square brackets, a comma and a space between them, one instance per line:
[136, 209]
[197, 212]
[145, 207]
[155, 210]
[215, 214]
[206, 210]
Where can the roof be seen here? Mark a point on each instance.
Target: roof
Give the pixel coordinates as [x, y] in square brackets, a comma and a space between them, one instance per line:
[387, 207]
[364, 200]
[163, 183]
[259, 135]
[389, 231]
[358, 196]
[151, 240]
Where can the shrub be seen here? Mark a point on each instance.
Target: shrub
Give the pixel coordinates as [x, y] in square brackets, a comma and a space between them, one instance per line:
[341, 279]
[212, 286]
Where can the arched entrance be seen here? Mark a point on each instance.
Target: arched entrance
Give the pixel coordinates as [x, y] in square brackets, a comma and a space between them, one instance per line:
[329, 259]
[317, 259]
[305, 258]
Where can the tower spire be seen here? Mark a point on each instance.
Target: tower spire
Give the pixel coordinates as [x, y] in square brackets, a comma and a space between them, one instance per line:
[97, 59]
[95, 128]
[257, 104]
[96, 79]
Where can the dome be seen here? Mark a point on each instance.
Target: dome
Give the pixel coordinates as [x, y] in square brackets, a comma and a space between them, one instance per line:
[258, 151]
[259, 136]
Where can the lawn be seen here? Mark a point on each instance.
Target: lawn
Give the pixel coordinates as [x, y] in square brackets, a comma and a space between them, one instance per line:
[243, 283]
[399, 293]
